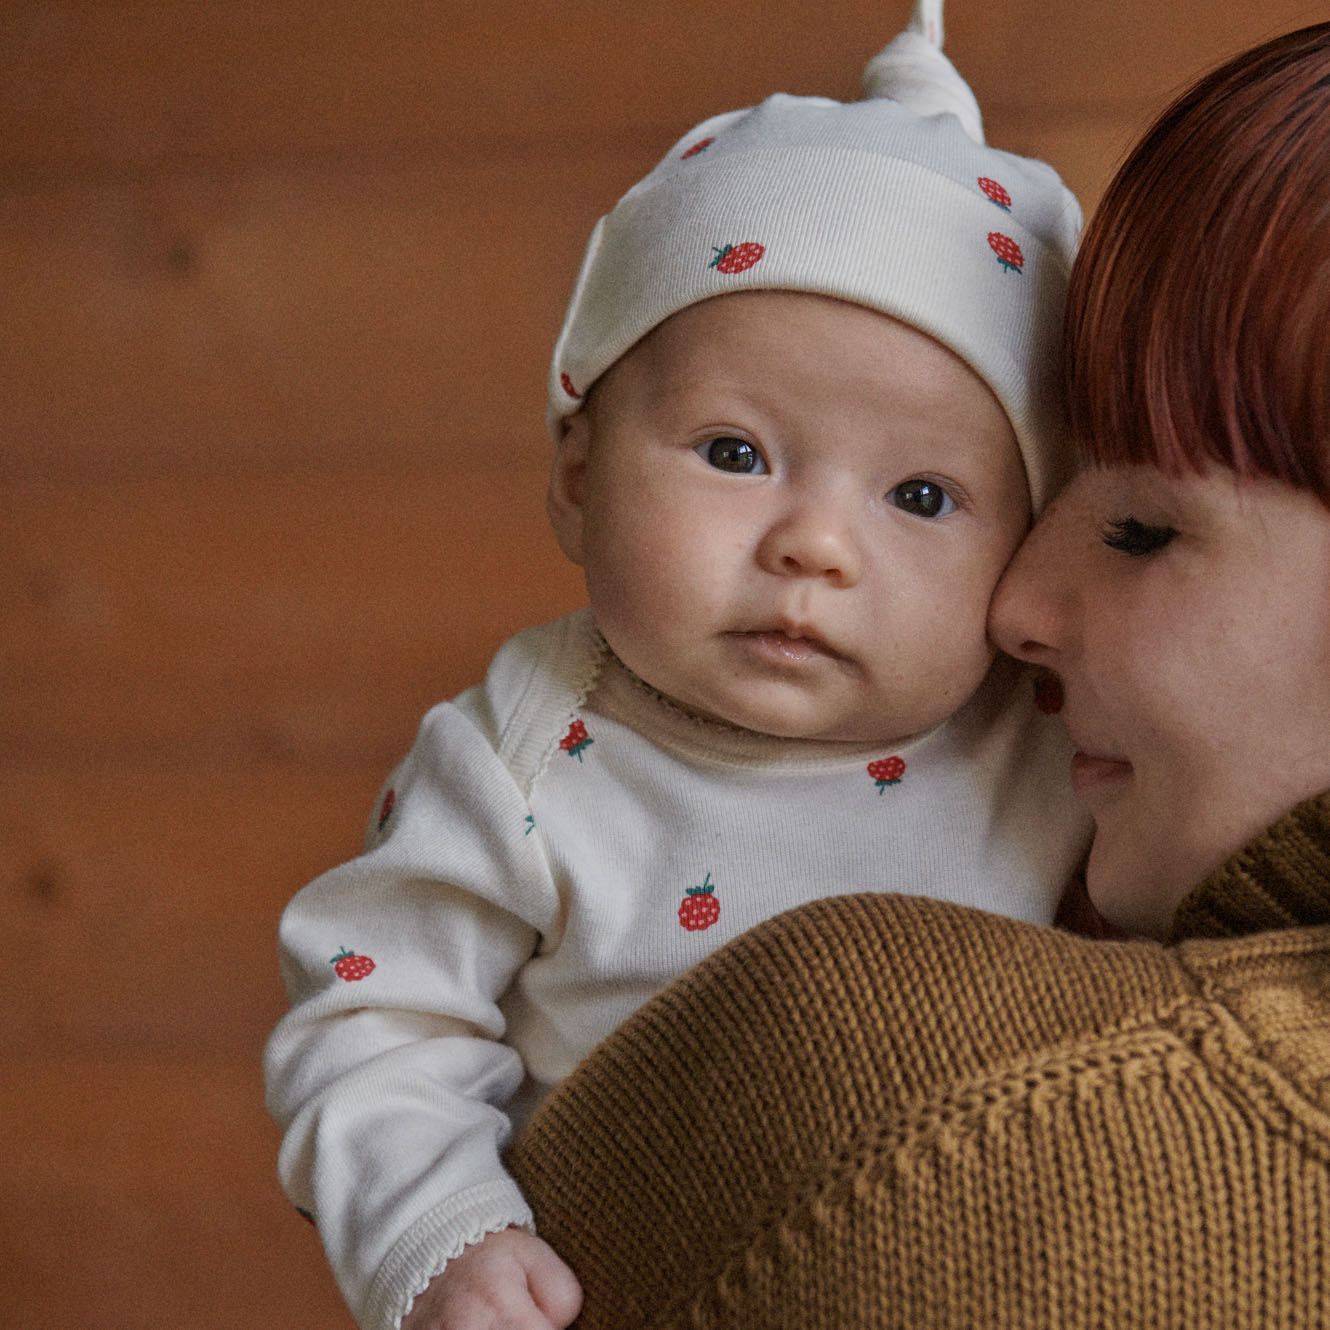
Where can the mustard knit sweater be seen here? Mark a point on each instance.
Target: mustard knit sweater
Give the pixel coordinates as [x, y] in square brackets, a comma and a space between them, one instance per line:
[893, 1112]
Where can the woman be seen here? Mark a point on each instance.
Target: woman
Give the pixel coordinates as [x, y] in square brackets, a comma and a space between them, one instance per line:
[881, 1111]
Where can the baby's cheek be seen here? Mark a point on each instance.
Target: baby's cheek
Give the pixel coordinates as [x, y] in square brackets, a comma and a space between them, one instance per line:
[958, 651]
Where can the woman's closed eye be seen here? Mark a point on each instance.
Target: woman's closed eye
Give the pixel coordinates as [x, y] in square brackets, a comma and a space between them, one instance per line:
[922, 498]
[1130, 536]
[727, 453]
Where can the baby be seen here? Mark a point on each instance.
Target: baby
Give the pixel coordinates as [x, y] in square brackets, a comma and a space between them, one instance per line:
[803, 413]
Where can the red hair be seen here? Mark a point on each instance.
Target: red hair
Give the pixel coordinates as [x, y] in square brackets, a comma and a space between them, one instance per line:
[1198, 319]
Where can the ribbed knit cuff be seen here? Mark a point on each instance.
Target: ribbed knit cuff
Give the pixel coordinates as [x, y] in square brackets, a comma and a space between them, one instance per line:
[434, 1240]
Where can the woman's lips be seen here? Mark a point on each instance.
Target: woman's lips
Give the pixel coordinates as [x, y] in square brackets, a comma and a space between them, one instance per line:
[1095, 778]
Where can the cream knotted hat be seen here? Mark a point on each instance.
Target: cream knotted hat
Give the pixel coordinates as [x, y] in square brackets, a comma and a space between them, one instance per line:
[893, 202]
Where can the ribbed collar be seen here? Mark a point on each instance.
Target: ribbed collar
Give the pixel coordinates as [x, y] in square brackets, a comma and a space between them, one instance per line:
[623, 696]
[1281, 880]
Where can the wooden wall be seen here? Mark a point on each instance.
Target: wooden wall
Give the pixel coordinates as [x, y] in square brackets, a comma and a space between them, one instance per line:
[279, 280]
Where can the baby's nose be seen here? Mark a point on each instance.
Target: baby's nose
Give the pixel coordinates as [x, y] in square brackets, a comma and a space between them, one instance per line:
[813, 542]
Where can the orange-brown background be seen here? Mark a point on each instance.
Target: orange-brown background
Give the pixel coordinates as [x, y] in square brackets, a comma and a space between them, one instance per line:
[278, 283]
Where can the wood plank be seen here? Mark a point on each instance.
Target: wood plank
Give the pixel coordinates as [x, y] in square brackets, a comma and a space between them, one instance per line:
[149, 1197]
[285, 320]
[202, 624]
[141, 908]
[138, 81]
[135, 82]
[1028, 59]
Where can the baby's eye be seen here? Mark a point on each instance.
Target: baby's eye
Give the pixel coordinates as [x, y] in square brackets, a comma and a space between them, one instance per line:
[922, 498]
[730, 454]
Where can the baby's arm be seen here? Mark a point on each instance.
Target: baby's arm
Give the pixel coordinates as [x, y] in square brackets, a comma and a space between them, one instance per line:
[509, 1281]
[388, 1074]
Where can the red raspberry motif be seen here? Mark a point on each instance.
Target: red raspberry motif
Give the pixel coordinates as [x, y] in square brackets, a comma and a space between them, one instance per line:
[700, 146]
[887, 771]
[567, 385]
[731, 259]
[1007, 250]
[386, 809]
[997, 194]
[699, 908]
[1048, 694]
[350, 967]
[576, 740]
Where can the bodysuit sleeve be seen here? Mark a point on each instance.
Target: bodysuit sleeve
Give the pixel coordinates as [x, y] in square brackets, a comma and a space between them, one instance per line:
[388, 1075]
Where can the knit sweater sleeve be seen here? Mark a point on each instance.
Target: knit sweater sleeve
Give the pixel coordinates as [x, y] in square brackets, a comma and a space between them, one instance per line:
[866, 1111]
[388, 1075]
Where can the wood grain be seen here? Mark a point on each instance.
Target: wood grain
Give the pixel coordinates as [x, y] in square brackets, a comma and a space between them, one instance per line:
[148, 1199]
[135, 82]
[208, 622]
[286, 321]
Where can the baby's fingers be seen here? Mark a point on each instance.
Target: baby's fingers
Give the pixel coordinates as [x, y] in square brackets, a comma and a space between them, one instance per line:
[510, 1280]
[553, 1286]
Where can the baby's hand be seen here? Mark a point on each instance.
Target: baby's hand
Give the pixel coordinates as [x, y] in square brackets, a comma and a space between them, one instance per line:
[509, 1281]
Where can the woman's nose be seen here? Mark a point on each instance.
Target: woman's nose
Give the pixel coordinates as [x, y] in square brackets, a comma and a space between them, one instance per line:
[814, 540]
[1027, 615]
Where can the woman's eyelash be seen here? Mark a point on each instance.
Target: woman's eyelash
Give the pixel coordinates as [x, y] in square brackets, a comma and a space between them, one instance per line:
[1130, 536]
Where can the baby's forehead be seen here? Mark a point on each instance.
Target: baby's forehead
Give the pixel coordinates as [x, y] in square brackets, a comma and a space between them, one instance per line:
[786, 342]
[729, 336]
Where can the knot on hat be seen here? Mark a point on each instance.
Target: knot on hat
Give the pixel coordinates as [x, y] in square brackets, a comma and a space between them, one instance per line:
[913, 71]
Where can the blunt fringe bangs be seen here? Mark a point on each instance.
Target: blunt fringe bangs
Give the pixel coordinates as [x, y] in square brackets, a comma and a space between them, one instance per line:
[1198, 319]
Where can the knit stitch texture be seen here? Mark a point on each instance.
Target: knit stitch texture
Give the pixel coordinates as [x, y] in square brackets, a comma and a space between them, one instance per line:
[894, 1112]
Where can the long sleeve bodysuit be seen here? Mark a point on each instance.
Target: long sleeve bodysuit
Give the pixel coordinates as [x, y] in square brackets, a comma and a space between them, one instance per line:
[558, 845]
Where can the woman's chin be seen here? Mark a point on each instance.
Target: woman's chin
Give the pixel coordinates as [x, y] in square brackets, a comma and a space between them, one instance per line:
[1128, 893]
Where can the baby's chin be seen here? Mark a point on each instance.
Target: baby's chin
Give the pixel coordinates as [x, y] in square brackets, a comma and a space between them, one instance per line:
[791, 723]
[790, 711]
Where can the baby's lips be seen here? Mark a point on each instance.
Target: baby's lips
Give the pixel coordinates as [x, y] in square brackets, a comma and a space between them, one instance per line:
[1048, 696]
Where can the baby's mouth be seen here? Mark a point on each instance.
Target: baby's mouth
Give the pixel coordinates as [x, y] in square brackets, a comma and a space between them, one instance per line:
[792, 643]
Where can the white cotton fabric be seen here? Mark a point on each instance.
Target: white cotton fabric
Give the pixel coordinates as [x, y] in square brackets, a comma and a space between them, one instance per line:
[894, 203]
[523, 898]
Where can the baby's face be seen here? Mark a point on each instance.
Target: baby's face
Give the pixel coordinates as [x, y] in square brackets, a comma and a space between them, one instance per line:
[792, 512]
